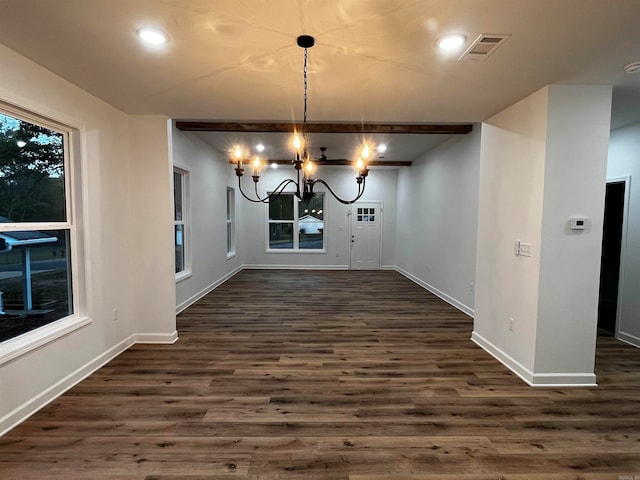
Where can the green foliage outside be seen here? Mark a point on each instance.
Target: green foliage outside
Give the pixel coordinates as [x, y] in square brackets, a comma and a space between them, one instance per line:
[31, 172]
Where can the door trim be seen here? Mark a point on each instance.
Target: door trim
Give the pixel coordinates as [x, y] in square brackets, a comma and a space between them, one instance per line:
[626, 179]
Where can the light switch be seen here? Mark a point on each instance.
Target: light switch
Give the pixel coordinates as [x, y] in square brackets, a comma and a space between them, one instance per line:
[525, 249]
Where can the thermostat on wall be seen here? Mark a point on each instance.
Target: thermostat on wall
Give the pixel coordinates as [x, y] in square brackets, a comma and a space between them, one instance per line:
[578, 223]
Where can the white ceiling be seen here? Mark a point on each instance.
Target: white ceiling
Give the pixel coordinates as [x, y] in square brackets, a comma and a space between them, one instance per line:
[374, 61]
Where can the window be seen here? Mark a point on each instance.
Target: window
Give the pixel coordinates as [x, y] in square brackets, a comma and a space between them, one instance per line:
[366, 214]
[295, 224]
[36, 228]
[181, 230]
[231, 240]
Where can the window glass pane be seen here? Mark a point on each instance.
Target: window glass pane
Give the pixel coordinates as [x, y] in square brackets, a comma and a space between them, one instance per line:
[31, 172]
[281, 235]
[177, 195]
[35, 280]
[311, 223]
[179, 243]
[311, 209]
[230, 220]
[281, 208]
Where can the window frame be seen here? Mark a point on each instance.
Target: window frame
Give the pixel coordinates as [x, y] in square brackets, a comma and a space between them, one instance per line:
[185, 174]
[231, 222]
[296, 233]
[74, 162]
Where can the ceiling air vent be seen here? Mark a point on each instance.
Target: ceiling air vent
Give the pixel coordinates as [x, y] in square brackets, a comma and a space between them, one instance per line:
[485, 45]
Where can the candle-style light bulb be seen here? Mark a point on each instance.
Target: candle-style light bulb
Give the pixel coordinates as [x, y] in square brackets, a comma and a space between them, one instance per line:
[297, 143]
[256, 164]
[309, 167]
[237, 153]
[359, 163]
[365, 152]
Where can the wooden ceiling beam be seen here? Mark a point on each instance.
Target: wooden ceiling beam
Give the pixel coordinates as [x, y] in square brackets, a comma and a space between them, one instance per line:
[248, 127]
[339, 163]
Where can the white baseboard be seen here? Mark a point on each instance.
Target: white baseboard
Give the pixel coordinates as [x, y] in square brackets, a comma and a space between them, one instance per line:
[30, 407]
[294, 267]
[194, 298]
[161, 338]
[628, 338]
[450, 300]
[534, 379]
[24, 411]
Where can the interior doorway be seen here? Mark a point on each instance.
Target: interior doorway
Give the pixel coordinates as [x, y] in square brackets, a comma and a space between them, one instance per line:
[366, 242]
[612, 256]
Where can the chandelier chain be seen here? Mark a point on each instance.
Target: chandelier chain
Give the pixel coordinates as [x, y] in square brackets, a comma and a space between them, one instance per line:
[304, 120]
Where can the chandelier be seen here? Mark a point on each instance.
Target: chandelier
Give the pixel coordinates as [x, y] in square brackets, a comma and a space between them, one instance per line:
[304, 182]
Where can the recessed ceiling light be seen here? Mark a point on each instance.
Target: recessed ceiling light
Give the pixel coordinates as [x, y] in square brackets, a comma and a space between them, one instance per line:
[21, 143]
[274, 165]
[152, 36]
[382, 148]
[451, 42]
[260, 147]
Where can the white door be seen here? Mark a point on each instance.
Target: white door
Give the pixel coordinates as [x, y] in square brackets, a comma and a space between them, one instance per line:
[366, 219]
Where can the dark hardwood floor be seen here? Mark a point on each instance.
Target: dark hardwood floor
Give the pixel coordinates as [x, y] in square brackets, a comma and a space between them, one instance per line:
[329, 375]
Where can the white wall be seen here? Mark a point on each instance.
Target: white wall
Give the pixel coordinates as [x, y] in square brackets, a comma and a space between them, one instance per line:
[437, 219]
[151, 212]
[574, 186]
[111, 249]
[624, 160]
[209, 177]
[542, 161]
[510, 208]
[381, 186]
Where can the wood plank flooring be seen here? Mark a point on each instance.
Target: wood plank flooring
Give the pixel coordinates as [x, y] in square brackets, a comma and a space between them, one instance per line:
[329, 375]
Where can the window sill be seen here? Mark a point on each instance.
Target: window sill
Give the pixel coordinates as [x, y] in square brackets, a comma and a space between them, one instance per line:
[231, 255]
[283, 250]
[183, 276]
[18, 346]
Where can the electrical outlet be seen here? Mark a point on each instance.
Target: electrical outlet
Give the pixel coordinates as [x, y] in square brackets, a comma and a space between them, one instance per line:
[115, 314]
[510, 324]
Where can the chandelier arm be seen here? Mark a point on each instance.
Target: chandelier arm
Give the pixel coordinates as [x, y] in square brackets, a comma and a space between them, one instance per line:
[272, 196]
[279, 190]
[335, 195]
[259, 200]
